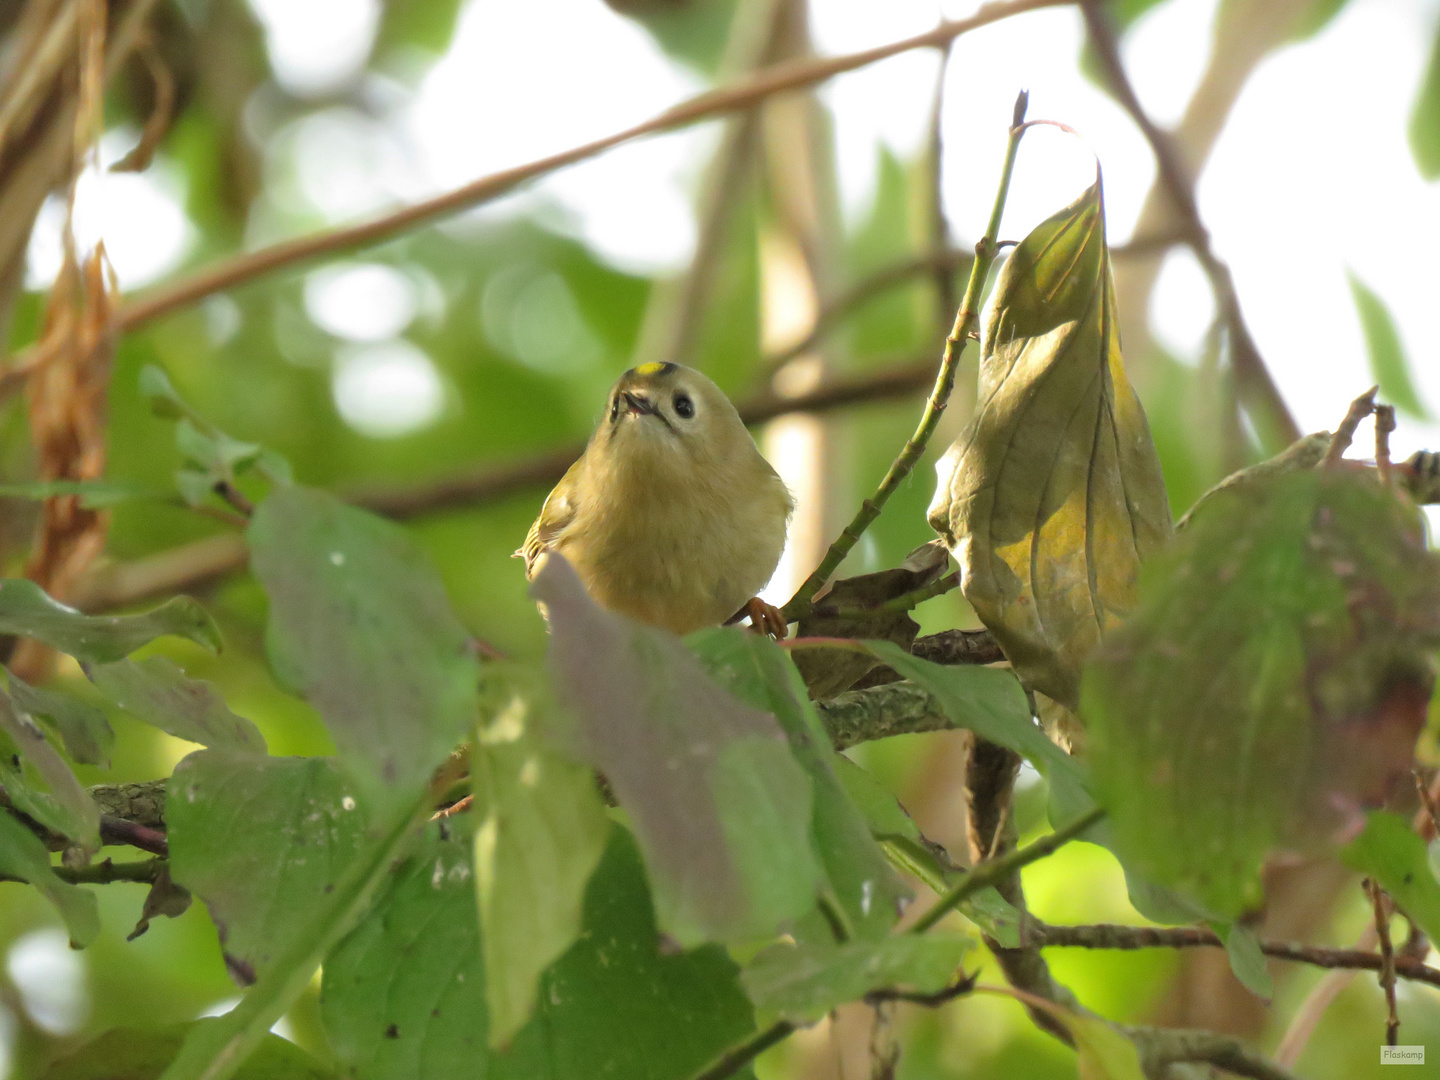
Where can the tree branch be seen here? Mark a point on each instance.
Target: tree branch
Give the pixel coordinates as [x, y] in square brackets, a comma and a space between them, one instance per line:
[1113, 936]
[1162, 1047]
[739, 96]
[1253, 378]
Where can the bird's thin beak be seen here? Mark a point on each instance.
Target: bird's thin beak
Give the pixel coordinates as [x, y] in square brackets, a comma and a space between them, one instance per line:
[638, 403]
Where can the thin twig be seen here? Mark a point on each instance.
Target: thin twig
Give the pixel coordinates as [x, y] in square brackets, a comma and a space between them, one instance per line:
[1384, 425]
[1344, 435]
[992, 870]
[1307, 1017]
[741, 95]
[900, 468]
[1380, 903]
[1251, 374]
[1113, 936]
[959, 988]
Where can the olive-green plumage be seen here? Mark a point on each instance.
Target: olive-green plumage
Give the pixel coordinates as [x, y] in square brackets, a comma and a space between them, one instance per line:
[672, 516]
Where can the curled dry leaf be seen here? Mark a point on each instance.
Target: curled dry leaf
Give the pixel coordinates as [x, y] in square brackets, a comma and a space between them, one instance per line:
[1052, 495]
[1272, 682]
[67, 398]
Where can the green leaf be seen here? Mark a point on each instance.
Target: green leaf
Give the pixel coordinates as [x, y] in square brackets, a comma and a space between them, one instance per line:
[1104, 1051]
[93, 494]
[909, 852]
[262, 841]
[541, 832]
[23, 857]
[156, 691]
[1388, 363]
[1425, 117]
[989, 702]
[403, 996]
[165, 400]
[1248, 963]
[618, 1004]
[1052, 495]
[83, 728]
[26, 610]
[804, 982]
[215, 452]
[360, 625]
[1273, 680]
[215, 1052]
[133, 1054]
[720, 807]
[1389, 851]
[759, 673]
[62, 805]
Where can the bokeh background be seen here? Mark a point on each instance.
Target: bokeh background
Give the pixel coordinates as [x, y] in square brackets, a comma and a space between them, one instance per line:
[491, 337]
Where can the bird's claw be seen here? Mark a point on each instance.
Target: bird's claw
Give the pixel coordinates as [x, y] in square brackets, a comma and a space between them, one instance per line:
[766, 619]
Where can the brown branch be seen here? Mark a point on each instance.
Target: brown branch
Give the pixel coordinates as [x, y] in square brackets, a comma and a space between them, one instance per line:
[959, 647]
[741, 95]
[1380, 904]
[1113, 936]
[1253, 378]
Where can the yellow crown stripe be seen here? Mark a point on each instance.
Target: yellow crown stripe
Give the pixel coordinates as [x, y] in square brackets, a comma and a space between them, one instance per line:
[653, 368]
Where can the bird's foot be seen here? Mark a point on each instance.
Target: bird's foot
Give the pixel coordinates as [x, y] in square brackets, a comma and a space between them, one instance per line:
[766, 619]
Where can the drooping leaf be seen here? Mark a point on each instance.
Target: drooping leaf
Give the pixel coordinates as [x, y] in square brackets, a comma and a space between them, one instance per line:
[1388, 850]
[48, 791]
[261, 840]
[1052, 496]
[758, 672]
[403, 996]
[360, 625]
[541, 832]
[828, 672]
[24, 858]
[83, 728]
[26, 610]
[1425, 117]
[804, 982]
[1248, 963]
[1276, 675]
[156, 691]
[720, 807]
[143, 1054]
[1388, 363]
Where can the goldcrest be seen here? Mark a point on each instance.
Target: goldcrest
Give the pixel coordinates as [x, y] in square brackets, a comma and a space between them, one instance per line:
[671, 516]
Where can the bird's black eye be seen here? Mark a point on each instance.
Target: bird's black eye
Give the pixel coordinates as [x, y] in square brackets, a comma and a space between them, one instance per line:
[684, 407]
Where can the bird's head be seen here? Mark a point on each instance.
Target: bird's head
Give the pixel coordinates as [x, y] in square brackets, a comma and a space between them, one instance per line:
[665, 411]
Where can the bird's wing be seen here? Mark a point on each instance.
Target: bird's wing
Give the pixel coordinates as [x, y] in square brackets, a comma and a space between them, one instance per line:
[555, 517]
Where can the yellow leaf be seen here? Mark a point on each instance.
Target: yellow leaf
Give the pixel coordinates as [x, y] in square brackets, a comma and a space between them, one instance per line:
[1052, 495]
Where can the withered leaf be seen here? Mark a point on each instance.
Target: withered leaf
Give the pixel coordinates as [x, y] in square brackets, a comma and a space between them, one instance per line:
[1052, 495]
[1271, 683]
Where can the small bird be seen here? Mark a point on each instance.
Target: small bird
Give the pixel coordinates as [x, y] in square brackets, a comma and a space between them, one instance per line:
[671, 516]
